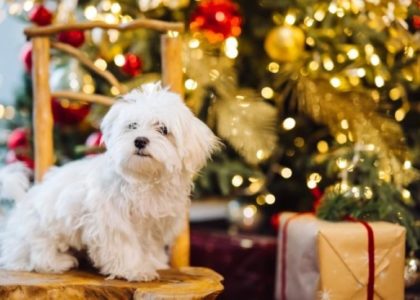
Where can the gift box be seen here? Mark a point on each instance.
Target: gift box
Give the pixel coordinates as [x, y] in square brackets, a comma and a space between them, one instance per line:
[339, 260]
[247, 262]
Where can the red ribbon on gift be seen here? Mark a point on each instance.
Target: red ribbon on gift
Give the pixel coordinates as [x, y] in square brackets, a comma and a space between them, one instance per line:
[371, 255]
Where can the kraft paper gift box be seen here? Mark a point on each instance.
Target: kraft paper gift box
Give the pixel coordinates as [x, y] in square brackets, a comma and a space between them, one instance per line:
[333, 260]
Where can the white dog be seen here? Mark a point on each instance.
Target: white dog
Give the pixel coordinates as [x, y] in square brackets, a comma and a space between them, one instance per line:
[122, 206]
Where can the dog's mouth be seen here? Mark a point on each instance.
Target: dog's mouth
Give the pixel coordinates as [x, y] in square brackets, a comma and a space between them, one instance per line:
[142, 154]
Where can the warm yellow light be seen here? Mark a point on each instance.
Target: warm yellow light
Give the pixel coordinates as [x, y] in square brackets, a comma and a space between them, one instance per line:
[260, 154]
[316, 177]
[313, 65]
[237, 180]
[328, 63]
[101, 64]
[290, 19]
[361, 72]
[395, 93]
[400, 114]
[367, 192]
[319, 15]
[28, 5]
[407, 165]
[342, 163]
[110, 19]
[369, 49]
[335, 82]
[260, 200]
[289, 123]
[344, 124]
[273, 67]
[119, 60]
[115, 8]
[379, 81]
[91, 12]
[308, 21]
[310, 41]
[220, 16]
[299, 142]
[311, 184]
[270, 199]
[341, 138]
[286, 173]
[340, 12]
[194, 43]
[406, 194]
[332, 8]
[375, 60]
[353, 53]
[322, 146]
[115, 91]
[249, 211]
[267, 92]
[190, 84]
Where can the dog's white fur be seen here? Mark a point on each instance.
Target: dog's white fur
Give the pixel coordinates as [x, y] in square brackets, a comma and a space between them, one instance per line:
[122, 208]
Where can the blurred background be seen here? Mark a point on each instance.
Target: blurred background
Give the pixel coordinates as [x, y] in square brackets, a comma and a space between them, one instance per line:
[317, 103]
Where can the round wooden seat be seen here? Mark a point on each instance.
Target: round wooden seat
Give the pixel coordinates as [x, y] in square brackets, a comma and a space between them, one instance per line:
[185, 283]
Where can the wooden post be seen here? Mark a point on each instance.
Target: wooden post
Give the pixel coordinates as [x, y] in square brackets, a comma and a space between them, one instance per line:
[42, 115]
[172, 76]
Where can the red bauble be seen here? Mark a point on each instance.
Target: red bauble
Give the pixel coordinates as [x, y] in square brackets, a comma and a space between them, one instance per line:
[94, 139]
[275, 222]
[18, 138]
[40, 15]
[76, 38]
[218, 19]
[317, 194]
[416, 22]
[26, 56]
[69, 113]
[133, 65]
[12, 157]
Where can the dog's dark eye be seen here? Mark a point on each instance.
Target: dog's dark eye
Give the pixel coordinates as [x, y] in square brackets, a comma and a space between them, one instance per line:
[163, 129]
[132, 125]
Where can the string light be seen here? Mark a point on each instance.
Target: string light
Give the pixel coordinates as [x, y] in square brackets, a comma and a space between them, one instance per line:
[299, 142]
[400, 114]
[344, 124]
[290, 19]
[286, 173]
[231, 47]
[341, 138]
[406, 194]
[332, 8]
[310, 41]
[194, 43]
[267, 92]
[328, 63]
[322, 146]
[28, 5]
[260, 200]
[319, 15]
[313, 65]
[101, 64]
[342, 163]
[115, 8]
[395, 93]
[367, 192]
[119, 60]
[90, 12]
[375, 60]
[260, 154]
[115, 91]
[273, 67]
[379, 81]
[249, 211]
[407, 165]
[335, 82]
[289, 123]
[270, 199]
[316, 177]
[190, 84]
[308, 21]
[361, 72]
[237, 180]
[353, 53]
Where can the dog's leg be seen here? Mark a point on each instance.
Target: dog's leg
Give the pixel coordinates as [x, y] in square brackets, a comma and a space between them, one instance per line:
[45, 257]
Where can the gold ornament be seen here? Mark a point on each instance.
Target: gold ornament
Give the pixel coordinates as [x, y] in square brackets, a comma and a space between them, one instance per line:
[285, 43]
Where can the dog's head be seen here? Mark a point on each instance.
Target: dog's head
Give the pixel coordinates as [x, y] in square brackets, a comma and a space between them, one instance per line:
[150, 130]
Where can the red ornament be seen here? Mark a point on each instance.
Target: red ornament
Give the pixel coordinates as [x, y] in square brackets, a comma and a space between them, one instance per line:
[76, 38]
[12, 157]
[317, 194]
[40, 15]
[275, 221]
[416, 22]
[18, 138]
[26, 56]
[69, 113]
[218, 19]
[133, 65]
[94, 139]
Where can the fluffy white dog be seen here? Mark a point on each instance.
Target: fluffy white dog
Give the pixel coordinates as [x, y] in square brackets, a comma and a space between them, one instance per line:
[122, 206]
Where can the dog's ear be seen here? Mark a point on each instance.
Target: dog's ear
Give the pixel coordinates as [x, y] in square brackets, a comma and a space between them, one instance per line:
[199, 144]
[109, 120]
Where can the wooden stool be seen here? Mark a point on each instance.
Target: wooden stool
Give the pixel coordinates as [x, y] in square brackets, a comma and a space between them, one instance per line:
[184, 284]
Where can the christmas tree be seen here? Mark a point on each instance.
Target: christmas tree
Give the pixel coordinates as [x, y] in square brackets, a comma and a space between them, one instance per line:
[295, 89]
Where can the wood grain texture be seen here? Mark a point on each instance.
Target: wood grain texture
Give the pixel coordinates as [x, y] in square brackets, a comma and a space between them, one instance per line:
[184, 284]
[42, 115]
[157, 25]
[87, 62]
[91, 98]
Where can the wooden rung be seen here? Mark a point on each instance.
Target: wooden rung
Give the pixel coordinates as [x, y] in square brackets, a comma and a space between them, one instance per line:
[185, 283]
[91, 98]
[157, 25]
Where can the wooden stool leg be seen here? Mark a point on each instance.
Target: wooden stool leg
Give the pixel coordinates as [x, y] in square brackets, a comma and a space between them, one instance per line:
[42, 115]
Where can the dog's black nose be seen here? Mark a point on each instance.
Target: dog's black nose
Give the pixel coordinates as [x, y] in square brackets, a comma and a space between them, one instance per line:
[141, 142]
